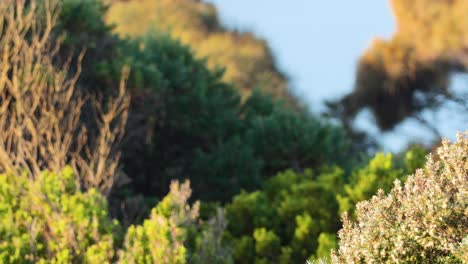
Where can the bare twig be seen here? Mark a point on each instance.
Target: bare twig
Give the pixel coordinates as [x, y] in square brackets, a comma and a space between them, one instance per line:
[41, 107]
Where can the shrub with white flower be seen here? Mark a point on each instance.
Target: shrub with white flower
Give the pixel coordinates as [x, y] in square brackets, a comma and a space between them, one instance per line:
[424, 220]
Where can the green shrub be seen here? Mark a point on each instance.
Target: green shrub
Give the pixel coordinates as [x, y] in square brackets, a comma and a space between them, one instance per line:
[183, 116]
[423, 220]
[285, 139]
[380, 173]
[49, 219]
[282, 222]
[294, 216]
[160, 239]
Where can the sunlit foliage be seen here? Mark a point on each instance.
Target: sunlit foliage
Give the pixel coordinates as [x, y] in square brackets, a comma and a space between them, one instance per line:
[400, 77]
[248, 61]
[160, 239]
[282, 222]
[293, 216]
[49, 220]
[423, 220]
[379, 173]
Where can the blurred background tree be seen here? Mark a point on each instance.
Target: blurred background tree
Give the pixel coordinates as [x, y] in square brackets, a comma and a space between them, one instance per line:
[186, 121]
[399, 78]
[247, 60]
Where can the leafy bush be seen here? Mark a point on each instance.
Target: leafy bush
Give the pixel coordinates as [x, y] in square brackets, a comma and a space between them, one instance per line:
[285, 139]
[380, 173]
[282, 223]
[294, 216]
[49, 220]
[423, 220]
[161, 238]
[180, 109]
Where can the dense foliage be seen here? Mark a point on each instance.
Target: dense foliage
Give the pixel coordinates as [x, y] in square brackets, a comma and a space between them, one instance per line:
[294, 215]
[273, 181]
[248, 61]
[281, 222]
[192, 124]
[186, 122]
[49, 220]
[424, 220]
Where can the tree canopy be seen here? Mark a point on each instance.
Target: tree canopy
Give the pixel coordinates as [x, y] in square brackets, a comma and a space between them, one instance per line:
[247, 60]
[400, 77]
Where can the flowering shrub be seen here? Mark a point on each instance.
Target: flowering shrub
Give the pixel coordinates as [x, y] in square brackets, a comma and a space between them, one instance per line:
[424, 220]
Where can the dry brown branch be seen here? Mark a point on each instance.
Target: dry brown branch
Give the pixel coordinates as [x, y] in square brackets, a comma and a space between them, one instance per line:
[41, 126]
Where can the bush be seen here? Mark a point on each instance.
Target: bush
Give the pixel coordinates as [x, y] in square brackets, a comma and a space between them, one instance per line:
[380, 173]
[285, 139]
[286, 221]
[294, 215]
[181, 111]
[161, 238]
[49, 220]
[422, 221]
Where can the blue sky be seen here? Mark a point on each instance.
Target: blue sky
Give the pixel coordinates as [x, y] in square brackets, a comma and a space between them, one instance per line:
[317, 43]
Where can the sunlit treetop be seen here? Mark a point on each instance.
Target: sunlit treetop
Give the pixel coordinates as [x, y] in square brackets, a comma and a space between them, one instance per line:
[248, 61]
[400, 77]
[434, 27]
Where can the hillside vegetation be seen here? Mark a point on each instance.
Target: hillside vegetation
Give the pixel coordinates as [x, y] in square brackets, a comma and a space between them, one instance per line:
[247, 59]
[138, 150]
